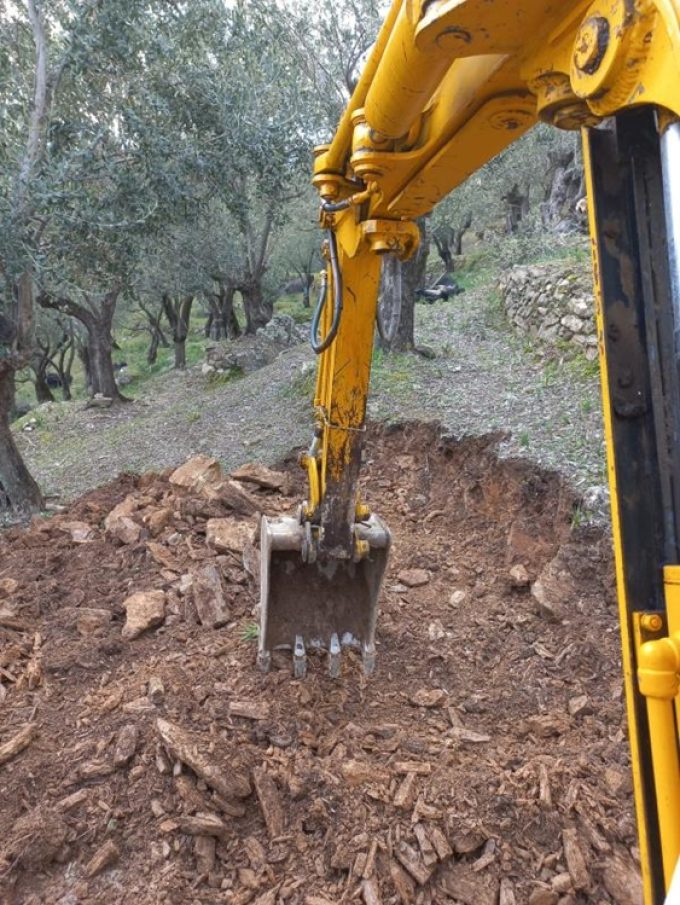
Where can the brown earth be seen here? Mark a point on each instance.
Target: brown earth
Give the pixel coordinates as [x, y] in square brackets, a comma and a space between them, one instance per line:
[484, 762]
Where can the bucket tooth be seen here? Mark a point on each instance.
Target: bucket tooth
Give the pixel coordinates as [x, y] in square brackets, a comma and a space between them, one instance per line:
[368, 657]
[264, 660]
[334, 653]
[299, 658]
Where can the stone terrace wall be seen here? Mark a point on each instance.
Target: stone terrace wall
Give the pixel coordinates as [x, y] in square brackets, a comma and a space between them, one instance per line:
[552, 302]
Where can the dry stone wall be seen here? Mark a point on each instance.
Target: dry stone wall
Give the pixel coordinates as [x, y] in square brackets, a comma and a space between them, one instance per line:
[552, 302]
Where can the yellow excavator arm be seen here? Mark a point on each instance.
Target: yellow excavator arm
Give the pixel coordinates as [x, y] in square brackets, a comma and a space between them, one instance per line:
[449, 84]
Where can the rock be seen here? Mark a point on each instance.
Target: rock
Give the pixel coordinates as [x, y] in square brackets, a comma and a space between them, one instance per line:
[580, 705]
[270, 802]
[155, 690]
[576, 863]
[457, 597]
[553, 590]
[92, 621]
[184, 746]
[231, 495]
[506, 893]
[561, 883]
[204, 852]
[467, 735]
[519, 577]
[36, 840]
[196, 473]
[249, 710]
[207, 369]
[357, 772]
[414, 578]
[126, 745]
[157, 520]
[8, 586]
[412, 862]
[226, 535]
[105, 856]
[208, 596]
[255, 473]
[541, 896]
[144, 610]
[622, 881]
[428, 697]
[435, 631]
[81, 532]
[203, 825]
[120, 524]
[462, 885]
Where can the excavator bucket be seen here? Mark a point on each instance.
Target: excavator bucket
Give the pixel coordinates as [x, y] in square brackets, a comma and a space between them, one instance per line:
[327, 604]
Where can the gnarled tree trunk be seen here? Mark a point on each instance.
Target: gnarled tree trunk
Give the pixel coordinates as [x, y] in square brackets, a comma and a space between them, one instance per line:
[178, 314]
[412, 275]
[259, 310]
[18, 489]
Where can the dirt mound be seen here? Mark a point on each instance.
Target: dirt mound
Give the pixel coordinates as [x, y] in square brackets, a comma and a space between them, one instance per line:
[143, 759]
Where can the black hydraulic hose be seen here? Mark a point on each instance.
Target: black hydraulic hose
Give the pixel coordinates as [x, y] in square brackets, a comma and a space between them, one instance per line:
[319, 345]
[333, 208]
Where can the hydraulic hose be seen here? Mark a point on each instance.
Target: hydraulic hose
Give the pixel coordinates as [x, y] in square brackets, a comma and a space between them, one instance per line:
[320, 345]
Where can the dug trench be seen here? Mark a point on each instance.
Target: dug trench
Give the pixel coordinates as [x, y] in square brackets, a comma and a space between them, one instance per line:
[143, 759]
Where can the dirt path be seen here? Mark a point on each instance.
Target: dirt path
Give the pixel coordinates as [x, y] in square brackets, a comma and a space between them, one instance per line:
[487, 754]
[483, 379]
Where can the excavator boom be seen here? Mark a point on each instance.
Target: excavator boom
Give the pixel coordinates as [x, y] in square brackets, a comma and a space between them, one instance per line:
[449, 84]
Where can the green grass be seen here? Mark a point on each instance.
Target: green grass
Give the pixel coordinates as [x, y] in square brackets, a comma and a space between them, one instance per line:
[251, 632]
[292, 305]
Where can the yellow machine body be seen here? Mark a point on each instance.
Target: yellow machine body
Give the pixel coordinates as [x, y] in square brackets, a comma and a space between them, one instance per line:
[449, 84]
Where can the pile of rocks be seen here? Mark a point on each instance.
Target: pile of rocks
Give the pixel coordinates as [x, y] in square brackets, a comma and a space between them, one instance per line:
[552, 302]
[253, 352]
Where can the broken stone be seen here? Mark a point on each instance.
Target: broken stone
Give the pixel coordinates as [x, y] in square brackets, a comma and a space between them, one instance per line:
[208, 596]
[8, 586]
[553, 590]
[467, 841]
[428, 697]
[468, 735]
[232, 496]
[249, 710]
[126, 745]
[81, 532]
[204, 851]
[155, 690]
[403, 884]
[410, 860]
[506, 893]
[227, 536]
[357, 772]
[92, 621]
[403, 797]
[255, 473]
[622, 881]
[542, 896]
[436, 631]
[196, 473]
[576, 863]
[144, 610]
[203, 825]
[105, 856]
[157, 520]
[120, 524]
[414, 578]
[580, 706]
[462, 885]
[270, 802]
[182, 746]
[457, 597]
[519, 577]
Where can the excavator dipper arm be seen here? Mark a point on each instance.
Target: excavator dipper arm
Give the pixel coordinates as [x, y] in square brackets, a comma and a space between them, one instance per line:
[449, 84]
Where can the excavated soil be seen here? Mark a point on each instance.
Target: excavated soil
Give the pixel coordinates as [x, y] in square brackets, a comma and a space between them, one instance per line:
[485, 761]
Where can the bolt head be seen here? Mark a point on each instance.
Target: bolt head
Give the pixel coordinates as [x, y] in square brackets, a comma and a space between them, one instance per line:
[591, 44]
